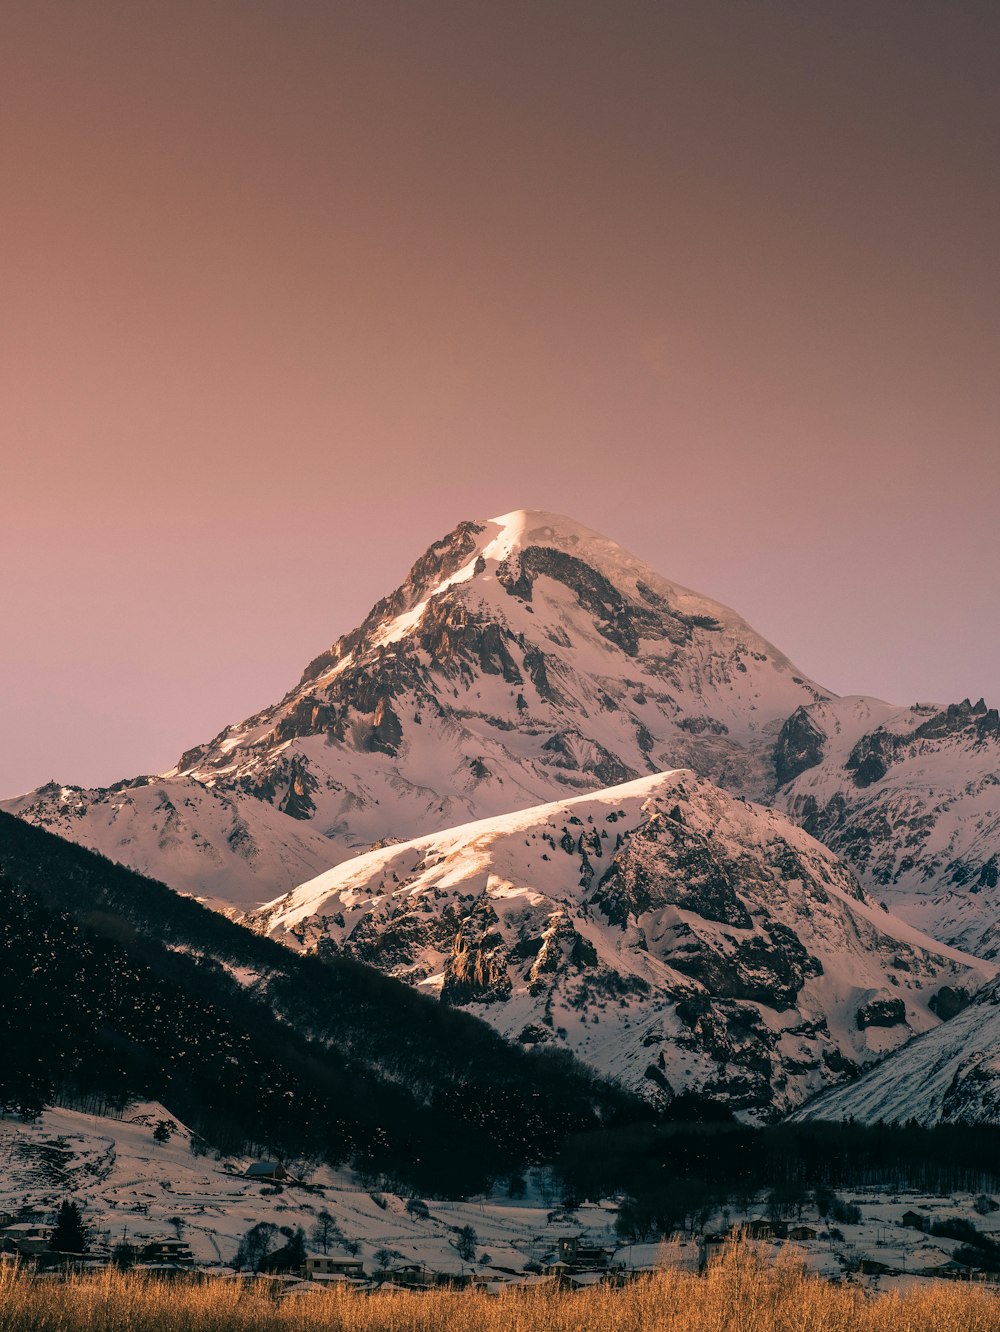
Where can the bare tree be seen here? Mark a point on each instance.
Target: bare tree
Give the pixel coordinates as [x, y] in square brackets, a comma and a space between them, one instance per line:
[255, 1246]
[325, 1231]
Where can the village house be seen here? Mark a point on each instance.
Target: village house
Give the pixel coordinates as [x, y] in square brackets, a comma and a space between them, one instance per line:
[949, 1270]
[914, 1220]
[574, 1258]
[27, 1237]
[411, 1275]
[156, 1252]
[872, 1267]
[73, 1262]
[759, 1227]
[580, 1256]
[322, 1266]
[269, 1172]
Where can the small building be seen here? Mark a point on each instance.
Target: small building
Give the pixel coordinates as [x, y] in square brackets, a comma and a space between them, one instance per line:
[947, 1271]
[28, 1237]
[166, 1251]
[872, 1267]
[713, 1245]
[801, 1233]
[54, 1261]
[410, 1276]
[166, 1270]
[914, 1220]
[576, 1256]
[759, 1227]
[320, 1265]
[269, 1172]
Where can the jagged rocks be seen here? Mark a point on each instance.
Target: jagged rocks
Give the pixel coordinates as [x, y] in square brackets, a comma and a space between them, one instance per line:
[289, 785]
[571, 750]
[665, 862]
[965, 718]
[560, 949]
[881, 1012]
[394, 939]
[871, 757]
[455, 638]
[476, 971]
[768, 968]
[441, 559]
[532, 1034]
[309, 716]
[387, 729]
[298, 801]
[949, 1001]
[702, 726]
[799, 746]
[618, 620]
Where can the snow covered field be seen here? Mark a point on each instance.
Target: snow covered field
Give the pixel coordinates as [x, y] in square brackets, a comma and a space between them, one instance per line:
[130, 1187]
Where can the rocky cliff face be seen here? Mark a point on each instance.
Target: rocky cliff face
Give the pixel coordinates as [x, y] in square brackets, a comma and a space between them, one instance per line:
[910, 797]
[669, 934]
[950, 1075]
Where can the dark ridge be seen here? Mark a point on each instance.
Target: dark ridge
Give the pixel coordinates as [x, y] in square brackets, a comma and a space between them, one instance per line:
[117, 988]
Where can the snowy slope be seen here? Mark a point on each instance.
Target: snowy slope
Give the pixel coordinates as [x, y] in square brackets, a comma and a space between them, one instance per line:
[950, 1075]
[130, 1187]
[671, 935]
[204, 840]
[911, 798]
[523, 659]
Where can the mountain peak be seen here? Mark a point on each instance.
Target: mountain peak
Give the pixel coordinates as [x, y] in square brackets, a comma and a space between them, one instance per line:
[485, 572]
[523, 658]
[537, 527]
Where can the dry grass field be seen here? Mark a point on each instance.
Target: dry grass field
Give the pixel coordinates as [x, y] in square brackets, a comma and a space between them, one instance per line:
[740, 1293]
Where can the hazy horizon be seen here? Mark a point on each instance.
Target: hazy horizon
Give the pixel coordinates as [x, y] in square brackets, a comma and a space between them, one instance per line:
[292, 289]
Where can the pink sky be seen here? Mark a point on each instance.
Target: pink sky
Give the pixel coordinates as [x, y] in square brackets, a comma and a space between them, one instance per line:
[287, 289]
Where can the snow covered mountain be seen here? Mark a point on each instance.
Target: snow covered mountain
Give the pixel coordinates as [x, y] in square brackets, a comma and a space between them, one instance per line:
[524, 658]
[911, 798]
[671, 935]
[527, 659]
[951, 1075]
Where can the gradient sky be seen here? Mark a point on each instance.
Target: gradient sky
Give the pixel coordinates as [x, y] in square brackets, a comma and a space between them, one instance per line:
[290, 287]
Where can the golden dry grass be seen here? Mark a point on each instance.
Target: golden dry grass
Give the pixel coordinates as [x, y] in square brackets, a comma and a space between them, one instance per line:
[739, 1294]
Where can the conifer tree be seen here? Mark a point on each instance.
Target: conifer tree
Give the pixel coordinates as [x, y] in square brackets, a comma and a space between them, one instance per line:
[69, 1235]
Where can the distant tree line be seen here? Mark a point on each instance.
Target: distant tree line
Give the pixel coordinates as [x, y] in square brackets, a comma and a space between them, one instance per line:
[675, 1175]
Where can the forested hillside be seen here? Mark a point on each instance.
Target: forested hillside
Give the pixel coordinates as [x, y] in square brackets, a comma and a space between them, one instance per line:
[115, 987]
